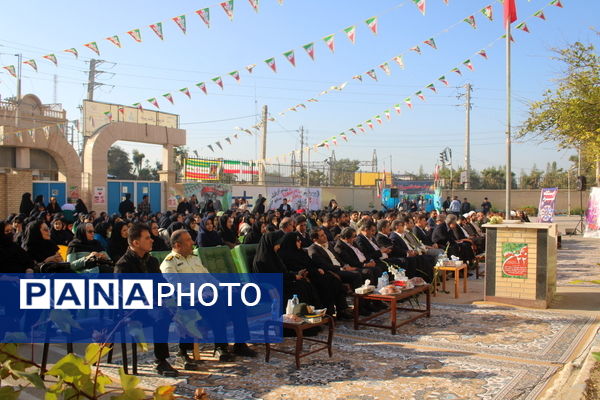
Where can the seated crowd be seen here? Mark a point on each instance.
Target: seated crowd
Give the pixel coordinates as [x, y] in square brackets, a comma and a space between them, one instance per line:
[323, 255]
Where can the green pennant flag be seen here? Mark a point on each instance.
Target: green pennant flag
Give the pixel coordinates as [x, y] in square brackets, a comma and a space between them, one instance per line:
[180, 21]
[330, 42]
[289, 55]
[310, 49]
[351, 33]
[157, 28]
[271, 63]
[114, 40]
[135, 34]
[372, 24]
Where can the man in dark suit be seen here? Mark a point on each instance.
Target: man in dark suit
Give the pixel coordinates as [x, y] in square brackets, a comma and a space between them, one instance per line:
[323, 255]
[421, 232]
[445, 237]
[365, 242]
[284, 206]
[301, 228]
[416, 265]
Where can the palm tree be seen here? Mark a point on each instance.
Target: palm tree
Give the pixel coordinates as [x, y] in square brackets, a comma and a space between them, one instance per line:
[137, 158]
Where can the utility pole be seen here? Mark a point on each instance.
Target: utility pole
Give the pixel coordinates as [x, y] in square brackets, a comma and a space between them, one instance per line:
[263, 146]
[55, 97]
[93, 73]
[301, 152]
[308, 166]
[374, 161]
[19, 64]
[467, 182]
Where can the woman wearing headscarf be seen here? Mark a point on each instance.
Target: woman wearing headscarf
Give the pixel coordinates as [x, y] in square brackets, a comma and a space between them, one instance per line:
[192, 227]
[253, 237]
[26, 204]
[80, 207]
[208, 207]
[59, 234]
[14, 258]
[272, 223]
[53, 207]
[226, 231]
[158, 244]
[259, 207]
[118, 245]
[328, 286]
[37, 243]
[84, 247]
[102, 234]
[266, 260]
[246, 225]
[207, 235]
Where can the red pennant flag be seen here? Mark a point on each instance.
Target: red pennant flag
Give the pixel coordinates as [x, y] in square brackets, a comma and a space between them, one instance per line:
[510, 12]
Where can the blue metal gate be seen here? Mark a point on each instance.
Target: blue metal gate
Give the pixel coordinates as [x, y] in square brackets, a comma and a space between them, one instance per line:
[117, 190]
[51, 189]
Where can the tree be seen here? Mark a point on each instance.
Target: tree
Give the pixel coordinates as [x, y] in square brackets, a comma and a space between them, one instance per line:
[494, 178]
[342, 171]
[118, 163]
[138, 159]
[532, 180]
[570, 113]
[180, 154]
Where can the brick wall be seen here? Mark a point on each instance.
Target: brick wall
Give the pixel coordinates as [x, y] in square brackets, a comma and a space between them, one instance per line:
[12, 186]
[517, 288]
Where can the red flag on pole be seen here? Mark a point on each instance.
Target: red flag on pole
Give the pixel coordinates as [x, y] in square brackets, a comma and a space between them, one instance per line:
[510, 12]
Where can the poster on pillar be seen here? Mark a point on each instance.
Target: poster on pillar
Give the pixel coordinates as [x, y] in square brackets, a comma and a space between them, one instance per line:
[297, 197]
[99, 195]
[219, 193]
[592, 217]
[546, 208]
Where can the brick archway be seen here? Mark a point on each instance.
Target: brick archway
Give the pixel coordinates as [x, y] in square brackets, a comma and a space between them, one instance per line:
[95, 153]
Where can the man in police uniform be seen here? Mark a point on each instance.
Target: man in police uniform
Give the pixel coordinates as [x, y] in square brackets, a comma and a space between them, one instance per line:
[182, 260]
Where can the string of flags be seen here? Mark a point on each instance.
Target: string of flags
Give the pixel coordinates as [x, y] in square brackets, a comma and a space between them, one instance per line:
[135, 34]
[378, 120]
[47, 130]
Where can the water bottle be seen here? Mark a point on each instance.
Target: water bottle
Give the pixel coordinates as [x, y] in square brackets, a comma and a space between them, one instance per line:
[295, 300]
[386, 278]
[289, 308]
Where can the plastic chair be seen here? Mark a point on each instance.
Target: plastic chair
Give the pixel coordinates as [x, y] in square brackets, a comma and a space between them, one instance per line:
[217, 259]
[159, 255]
[243, 256]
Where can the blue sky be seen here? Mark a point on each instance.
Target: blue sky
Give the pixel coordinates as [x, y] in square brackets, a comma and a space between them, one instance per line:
[142, 70]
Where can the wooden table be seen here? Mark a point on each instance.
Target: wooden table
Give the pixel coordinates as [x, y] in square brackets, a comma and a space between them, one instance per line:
[456, 270]
[299, 330]
[393, 310]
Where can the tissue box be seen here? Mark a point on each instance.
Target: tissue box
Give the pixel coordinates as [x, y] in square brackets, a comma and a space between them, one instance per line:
[364, 290]
[453, 263]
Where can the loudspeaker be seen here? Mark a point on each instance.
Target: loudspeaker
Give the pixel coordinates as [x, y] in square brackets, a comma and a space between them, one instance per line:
[394, 193]
[581, 183]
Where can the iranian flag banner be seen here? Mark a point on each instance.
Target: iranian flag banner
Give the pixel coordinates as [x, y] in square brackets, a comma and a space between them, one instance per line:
[369, 123]
[32, 64]
[235, 75]
[372, 24]
[180, 21]
[397, 108]
[93, 46]
[399, 61]
[387, 114]
[416, 49]
[186, 92]
[431, 43]
[420, 95]
[114, 40]
[108, 115]
[271, 63]
[204, 15]
[343, 136]
[540, 15]
[443, 80]
[138, 106]
[310, 49]
[357, 77]
[487, 11]
[408, 102]
[250, 67]
[228, 8]
[254, 4]
[168, 97]
[378, 119]
[432, 87]
[153, 102]
[353, 131]
[202, 86]
[219, 144]
[372, 74]
[228, 140]
[52, 58]
[556, 3]
[360, 126]
[468, 64]
[334, 140]
[72, 51]
[330, 42]
[456, 70]
[135, 34]
[289, 55]
[351, 33]
[157, 28]
[483, 54]
[471, 21]
[522, 26]
[386, 68]
[420, 5]
[218, 81]
[121, 110]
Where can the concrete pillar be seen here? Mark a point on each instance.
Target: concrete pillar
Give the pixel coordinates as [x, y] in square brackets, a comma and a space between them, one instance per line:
[22, 158]
[168, 175]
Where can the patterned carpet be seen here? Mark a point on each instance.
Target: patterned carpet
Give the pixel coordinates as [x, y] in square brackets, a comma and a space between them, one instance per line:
[461, 352]
[579, 258]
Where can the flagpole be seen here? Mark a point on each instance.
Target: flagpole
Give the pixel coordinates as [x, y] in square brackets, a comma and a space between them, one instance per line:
[508, 172]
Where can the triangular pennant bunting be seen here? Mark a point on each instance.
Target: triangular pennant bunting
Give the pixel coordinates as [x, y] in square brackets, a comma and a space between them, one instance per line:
[254, 4]
[330, 42]
[250, 67]
[522, 26]
[122, 110]
[271, 63]
[135, 34]
[420, 95]
[202, 86]
[471, 21]
[32, 64]
[397, 108]
[93, 46]
[372, 24]
[204, 14]
[180, 21]
[432, 87]
[482, 53]
[219, 144]
[235, 75]
[228, 8]
[386, 68]
[556, 3]
[420, 5]
[153, 102]
[540, 15]
[357, 77]
[114, 40]
[186, 92]
[408, 102]
[72, 51]
[52, 58]
[431, 43]
[456, 70]
[467, 63]
[372, 74]
[168, 97]
[387, 114]
[351, 33]
[211, 148]
[416, 49]
[378, 119]
[108, 115]
[310, 49]
[228, 140]
[138, 106]
[218, 81]
[369, 123]
[443, 80]
[157, 28]
[399, 61]
[487, 11]
[290, 57]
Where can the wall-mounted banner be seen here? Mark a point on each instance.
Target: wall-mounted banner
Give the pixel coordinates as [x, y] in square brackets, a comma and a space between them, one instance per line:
[217, 192]
[99, 195]
[547, 204]
[141, 308]
[592, 218]
[298, 198]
